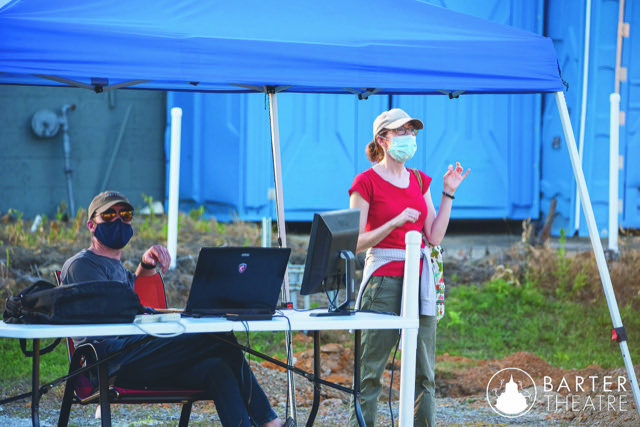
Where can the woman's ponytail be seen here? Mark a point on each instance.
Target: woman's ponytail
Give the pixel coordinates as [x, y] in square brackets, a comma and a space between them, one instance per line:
[374, 152]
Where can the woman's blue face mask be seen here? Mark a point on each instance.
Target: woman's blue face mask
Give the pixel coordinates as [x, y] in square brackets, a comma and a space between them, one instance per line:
[115, 234]
[402, 147]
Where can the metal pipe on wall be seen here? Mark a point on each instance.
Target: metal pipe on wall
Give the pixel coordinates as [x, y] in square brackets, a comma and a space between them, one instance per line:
[583, 113]
[621, 33]
[614, 137]
[174, 184]
[67, 156]
[614, 149]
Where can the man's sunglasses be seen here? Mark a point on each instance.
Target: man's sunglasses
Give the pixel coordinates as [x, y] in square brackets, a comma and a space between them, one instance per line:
[110, 215]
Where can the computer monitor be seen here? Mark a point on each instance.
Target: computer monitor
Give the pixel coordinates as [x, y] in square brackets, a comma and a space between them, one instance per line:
[331, 256]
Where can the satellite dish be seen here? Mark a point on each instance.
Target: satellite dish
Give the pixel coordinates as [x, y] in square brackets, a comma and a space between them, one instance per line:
[45, 124]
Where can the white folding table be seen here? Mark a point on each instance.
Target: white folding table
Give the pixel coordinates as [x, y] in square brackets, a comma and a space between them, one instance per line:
[293, 320]
[290, 320]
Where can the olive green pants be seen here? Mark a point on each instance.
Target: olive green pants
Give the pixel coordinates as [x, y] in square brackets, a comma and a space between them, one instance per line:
[384, 293]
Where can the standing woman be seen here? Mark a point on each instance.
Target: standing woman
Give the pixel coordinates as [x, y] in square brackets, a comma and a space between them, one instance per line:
[392, 203]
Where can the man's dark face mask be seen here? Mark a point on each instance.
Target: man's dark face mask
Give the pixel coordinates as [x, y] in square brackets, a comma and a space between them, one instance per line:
[115, 234]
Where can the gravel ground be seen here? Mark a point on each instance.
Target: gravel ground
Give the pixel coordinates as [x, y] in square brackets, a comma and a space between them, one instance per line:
[334, 410]
[470, 409]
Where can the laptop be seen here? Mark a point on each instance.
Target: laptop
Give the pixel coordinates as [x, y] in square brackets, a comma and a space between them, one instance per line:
[239, 283]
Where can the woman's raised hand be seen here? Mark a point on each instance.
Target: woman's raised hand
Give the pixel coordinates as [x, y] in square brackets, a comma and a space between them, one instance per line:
[454, 177]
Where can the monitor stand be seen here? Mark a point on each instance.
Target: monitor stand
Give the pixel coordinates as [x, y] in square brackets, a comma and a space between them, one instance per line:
[350, 267]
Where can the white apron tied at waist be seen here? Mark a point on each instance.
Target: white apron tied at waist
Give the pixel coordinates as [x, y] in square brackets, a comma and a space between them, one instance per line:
[377, 257]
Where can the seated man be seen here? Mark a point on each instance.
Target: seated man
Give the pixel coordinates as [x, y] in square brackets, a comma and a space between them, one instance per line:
[194, 361]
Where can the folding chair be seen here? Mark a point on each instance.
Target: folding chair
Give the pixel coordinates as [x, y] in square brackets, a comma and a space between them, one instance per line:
[78, 390]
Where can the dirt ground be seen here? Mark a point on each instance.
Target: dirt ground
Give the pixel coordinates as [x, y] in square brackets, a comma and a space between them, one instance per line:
[466, 379]
[456, 377]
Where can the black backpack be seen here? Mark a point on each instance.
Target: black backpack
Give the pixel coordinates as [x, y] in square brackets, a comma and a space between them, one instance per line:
[80, 303]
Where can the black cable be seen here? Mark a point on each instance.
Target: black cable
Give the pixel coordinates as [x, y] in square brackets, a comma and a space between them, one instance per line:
[46, 387]
[243, 361]
[289, 362]
[332, 302]
[393, 367]
[296, 370]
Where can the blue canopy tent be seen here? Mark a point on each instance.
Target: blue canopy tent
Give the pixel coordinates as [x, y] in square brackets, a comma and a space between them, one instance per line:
[359, 47]
[400, 47]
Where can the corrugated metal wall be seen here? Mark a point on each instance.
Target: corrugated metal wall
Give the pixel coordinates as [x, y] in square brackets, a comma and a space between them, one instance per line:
[323, 138]
[513, 143]
[218, 168]
[226, 160]
[565, 22]
[630, 132]
[498, 136]
[565, 25]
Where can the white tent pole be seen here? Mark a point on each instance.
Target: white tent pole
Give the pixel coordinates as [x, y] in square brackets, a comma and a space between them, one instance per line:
[614, 155]
[583, 113]
[595, 241]
[277, 173]
[174, 184]
[282, 234]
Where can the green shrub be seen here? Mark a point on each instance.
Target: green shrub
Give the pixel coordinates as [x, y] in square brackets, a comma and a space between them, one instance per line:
[498, 319]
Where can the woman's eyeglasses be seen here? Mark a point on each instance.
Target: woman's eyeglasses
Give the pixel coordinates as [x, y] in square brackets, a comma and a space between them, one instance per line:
[404, 131]
[399, 132]
[110, 215]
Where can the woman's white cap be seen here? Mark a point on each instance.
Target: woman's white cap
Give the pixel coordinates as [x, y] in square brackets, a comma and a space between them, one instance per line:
[394, 119]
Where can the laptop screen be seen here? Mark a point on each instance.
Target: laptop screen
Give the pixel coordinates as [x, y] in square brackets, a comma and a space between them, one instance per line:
[231, 280]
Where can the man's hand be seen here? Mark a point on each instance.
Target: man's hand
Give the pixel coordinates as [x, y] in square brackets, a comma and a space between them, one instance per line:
[157, 255]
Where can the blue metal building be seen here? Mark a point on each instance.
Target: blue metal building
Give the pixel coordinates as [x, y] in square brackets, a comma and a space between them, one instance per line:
[513, 144]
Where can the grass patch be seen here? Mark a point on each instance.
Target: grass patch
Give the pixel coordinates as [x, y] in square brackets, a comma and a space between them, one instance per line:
[270, 343]
[500, 318]
[15, 367]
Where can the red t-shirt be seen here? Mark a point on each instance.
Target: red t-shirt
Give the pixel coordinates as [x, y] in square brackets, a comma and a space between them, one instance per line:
[386, 201]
